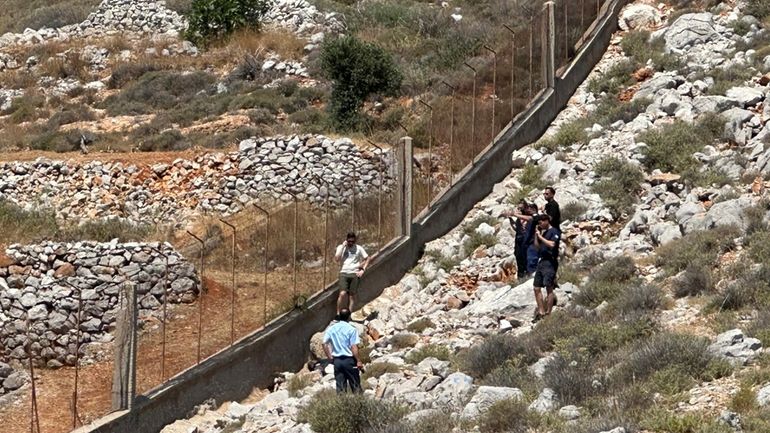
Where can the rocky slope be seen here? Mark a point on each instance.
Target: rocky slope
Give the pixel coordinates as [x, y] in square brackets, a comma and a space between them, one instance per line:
[458, 296]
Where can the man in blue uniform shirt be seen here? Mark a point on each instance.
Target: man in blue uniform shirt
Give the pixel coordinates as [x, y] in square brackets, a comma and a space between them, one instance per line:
[341, 346]
[547, 243]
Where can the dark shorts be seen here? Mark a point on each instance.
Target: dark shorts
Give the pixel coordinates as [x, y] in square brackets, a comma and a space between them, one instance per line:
[349, 283]
[545, 275]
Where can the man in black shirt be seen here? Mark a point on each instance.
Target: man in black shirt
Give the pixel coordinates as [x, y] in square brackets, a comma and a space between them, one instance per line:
[552, 207]
[547, 243]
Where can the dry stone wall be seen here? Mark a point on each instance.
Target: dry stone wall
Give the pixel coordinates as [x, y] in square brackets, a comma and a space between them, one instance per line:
[218, 182]
[40, 287]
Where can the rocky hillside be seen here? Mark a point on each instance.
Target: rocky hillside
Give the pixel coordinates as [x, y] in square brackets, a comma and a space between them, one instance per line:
[659, 163]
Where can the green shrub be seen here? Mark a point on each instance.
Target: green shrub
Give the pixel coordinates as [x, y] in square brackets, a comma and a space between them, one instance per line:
[760, 328]
[607, 282]
[756, 221]
[107, 230]
[513, 374]
[56, 16]
[329, 412]
[571, 379]
[699, 249]
[437, 351]
[752, 288]
[727, 78]
[481, 359]
[507, 416]
[687, 354]
[420, 325]
[610, 109]
[159, 91]
[572, 211]
[377, 369]
[617, 77]
[297, 383]
[619, 186]
[568, 134]
[210, 20]
[182, 7]
[531, 177]
[661, 420]
[22, 226]
[696, 279]
[758, 8]
[476, 240]
[403, 340]
[641, 47]
[357, 69]
[125, 73]
[26, 108]
[671, 147]
[639, 298]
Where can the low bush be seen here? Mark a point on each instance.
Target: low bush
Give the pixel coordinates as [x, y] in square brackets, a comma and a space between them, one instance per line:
[664, 421]
[404, 340]
[531, 177]
[377, 369]
[124, 73]
[507, 416]
[697, 279]
[297, 383]
[211, 20]
[756, 220]
[619, 185]
[568, 134]
[610, 110]
[107, 230]
[481, 359]
[752, 288]
[641, 47]
[439, 422]
[573, 211]
[159, 91]
[758, 8]
[671, 148]
[727, 78]
[415, 356]
[513, 374]
[420, 325]
[476, 240]
[182, 7]
[26, 108]
[54, 15]
[760, 328]
[699, 249]
[329, 412]
[573, 380]
[607, 282]
[683, 354]
[616, 78]
[639, 298]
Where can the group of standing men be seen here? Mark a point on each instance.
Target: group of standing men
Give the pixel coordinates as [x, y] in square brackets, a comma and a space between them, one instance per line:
[537, 251]
[538, 235]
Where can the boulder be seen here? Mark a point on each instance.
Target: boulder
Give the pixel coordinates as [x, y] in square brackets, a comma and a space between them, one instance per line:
[545, 402]
[735, 347]
[638, 16]
[453, 391]
[746, 96]
[485, 397]
[763, 395]
[689, 30]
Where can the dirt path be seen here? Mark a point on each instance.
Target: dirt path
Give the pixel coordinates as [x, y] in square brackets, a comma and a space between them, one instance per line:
[55, 387]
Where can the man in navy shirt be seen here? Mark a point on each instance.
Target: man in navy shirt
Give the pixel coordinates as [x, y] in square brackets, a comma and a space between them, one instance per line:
[547, 243]
[552, 207]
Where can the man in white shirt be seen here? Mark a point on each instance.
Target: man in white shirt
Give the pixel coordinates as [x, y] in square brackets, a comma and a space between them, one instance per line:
[354, 261]
[341, 346]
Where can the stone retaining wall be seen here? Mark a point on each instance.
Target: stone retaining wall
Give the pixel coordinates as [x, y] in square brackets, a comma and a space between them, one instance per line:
[36, 290]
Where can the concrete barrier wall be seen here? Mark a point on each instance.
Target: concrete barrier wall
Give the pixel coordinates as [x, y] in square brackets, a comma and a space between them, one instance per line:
[253, 361]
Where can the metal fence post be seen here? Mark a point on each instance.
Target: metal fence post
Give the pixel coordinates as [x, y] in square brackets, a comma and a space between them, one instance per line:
[380, 167]
[267, 234]
[548, 45]
[232, 292]
[326, 226]
[451, 131]
[473, 113]
[513, 69]
[34, 415]
[76, 384]
[165, 314]
[294, 257]
[494, 88]
[430, 152]
[200, 298]
[124, 376]
[404, 188]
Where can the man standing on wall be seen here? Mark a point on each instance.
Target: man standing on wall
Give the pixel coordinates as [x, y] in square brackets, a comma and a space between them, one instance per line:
[547, 243]
[341, 346]
[354, 260]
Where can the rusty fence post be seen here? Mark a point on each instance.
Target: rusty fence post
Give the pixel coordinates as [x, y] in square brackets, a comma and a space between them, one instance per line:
[566, 32]
[430, 152]
[34, 415]
[234, 288]
[473, 113]
[266, 242]
[294, 244]
[494, 88]
[513, 68]
[451, 131]
[76, 382]
[379, 190]
[404, 188]
[165, 314]
[531, 60]
[200, 298]
[548, 45]
[326, 184]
